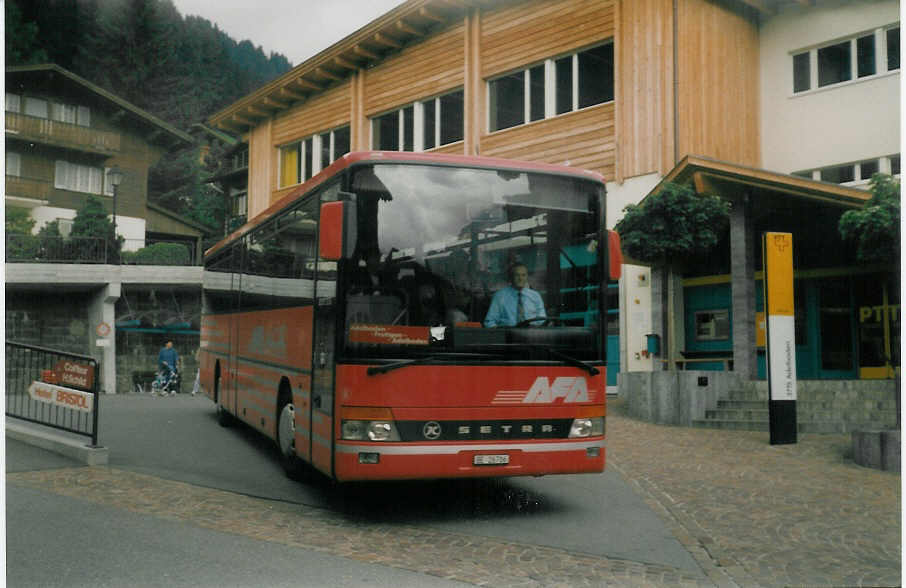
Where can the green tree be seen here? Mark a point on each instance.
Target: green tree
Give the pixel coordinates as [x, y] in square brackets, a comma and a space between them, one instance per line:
[91, 221]
[20, 243]
[18, 221]
[875, 228]
[22, 42]
[668, 227]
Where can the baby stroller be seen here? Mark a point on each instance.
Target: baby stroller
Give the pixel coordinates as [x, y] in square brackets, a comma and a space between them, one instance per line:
[166, 382]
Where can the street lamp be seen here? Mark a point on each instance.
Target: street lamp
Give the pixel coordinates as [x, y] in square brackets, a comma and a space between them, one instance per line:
[115, 177]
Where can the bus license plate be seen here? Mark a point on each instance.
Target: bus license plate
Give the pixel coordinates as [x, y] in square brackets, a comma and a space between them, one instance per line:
[490, 460]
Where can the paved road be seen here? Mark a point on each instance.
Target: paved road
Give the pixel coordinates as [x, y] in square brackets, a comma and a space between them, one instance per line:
[177, 438]
[747, 513]
[61, 541]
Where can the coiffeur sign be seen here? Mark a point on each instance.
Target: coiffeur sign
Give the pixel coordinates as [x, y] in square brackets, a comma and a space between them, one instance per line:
[60, 396]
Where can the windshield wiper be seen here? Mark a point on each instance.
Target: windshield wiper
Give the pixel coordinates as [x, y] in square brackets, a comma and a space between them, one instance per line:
[567, 359]
[383, 369]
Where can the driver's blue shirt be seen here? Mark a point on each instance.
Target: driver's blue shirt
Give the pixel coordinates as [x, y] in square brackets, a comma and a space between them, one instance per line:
[503, 310]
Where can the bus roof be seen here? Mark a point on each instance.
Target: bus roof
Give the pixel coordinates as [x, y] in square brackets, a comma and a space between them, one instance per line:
[357, 157]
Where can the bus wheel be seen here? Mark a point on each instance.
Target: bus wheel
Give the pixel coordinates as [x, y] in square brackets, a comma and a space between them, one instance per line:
[286, 441]
[224, 418]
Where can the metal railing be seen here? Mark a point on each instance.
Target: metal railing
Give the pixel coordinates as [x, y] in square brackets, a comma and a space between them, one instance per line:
[53, 388]
[38, 249]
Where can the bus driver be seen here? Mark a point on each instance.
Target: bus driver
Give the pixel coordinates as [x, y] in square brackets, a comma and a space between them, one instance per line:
[515, 303]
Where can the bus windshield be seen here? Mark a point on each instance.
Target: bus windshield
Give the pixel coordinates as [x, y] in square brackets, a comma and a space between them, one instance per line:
[470, 260]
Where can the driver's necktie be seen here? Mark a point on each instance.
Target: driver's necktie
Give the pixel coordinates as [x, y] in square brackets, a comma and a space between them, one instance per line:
[520, 308]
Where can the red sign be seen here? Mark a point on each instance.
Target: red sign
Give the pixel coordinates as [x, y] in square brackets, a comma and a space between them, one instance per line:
[77, 375]
[60, 396]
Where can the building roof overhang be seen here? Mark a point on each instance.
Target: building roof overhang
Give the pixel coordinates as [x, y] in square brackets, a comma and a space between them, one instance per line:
[159, 130]
[712, 176]
[409, 22]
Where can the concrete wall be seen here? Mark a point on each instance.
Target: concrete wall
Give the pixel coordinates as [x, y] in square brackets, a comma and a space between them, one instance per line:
[674, 397]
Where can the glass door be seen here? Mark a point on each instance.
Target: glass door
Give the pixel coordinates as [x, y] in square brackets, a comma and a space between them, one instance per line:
[836, 330]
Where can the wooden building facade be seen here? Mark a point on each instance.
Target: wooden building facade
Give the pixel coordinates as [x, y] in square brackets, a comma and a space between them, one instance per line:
[608, 85]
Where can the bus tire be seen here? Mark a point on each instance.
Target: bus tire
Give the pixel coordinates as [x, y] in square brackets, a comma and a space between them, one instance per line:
[286, 432]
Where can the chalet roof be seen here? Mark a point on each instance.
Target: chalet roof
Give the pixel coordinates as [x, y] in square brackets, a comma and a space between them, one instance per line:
[406, 24]
[161, 132]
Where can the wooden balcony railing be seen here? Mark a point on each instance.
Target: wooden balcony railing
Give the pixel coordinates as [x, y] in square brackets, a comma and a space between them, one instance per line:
[62, 134]
[28, 188]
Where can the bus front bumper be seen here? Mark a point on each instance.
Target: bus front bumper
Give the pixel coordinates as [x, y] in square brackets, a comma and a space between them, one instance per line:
[398, 461]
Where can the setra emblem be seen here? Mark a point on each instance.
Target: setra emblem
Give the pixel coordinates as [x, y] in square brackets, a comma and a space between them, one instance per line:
[431, 430]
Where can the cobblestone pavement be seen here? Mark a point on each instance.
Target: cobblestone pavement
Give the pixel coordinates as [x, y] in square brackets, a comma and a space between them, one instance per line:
[751, 514]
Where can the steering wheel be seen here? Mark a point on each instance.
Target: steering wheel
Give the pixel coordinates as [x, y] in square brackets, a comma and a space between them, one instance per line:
[545, 321]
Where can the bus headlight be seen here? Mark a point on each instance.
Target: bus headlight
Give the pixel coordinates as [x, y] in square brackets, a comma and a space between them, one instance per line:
[369, 431]
[587, 427]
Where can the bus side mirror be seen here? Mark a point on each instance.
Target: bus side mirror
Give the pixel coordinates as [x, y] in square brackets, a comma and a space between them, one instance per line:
[337, 230]
[614, 256]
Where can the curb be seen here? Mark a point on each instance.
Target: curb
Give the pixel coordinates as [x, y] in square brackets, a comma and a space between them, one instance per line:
[57, 443]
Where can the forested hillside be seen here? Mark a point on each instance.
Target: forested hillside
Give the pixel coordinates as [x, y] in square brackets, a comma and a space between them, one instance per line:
[179, 68]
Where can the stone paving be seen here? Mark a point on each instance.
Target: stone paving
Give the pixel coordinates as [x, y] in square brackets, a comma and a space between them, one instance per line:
[751, 514]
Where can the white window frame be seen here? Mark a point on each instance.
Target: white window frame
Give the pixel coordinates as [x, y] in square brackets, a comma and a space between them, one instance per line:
[550, 87]
[880, 39]
[418, 123]
[316, 160]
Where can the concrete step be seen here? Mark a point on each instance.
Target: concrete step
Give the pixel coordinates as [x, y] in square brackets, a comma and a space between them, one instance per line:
[816, 394]
[837, 427]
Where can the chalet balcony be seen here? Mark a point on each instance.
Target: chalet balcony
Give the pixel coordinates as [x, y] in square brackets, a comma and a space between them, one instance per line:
[28, 188]
[61, 134]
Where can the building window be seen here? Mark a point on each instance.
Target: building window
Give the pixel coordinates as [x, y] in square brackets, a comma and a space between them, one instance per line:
[801, 72]
[420, 126]
[507, 101]
[861, 56]
[77, 177]
[13, 102]
[834, 64]
[856, 173]
[13, 164]
[36, 107]
[838, 174]
[301, 160]
[555, 87]
[893, 48]
[712, 325]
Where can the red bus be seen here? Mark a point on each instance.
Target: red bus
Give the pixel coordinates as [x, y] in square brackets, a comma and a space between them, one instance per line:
[354, 322]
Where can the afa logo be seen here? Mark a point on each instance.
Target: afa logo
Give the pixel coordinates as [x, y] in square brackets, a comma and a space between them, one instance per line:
[565, 389]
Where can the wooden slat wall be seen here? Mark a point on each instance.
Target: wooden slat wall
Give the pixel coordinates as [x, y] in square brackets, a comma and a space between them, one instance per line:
[645, 87]
[322, 113]
[525, 33]
[423, 70]
[717, 90]
[583, 139]
[262, 168]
